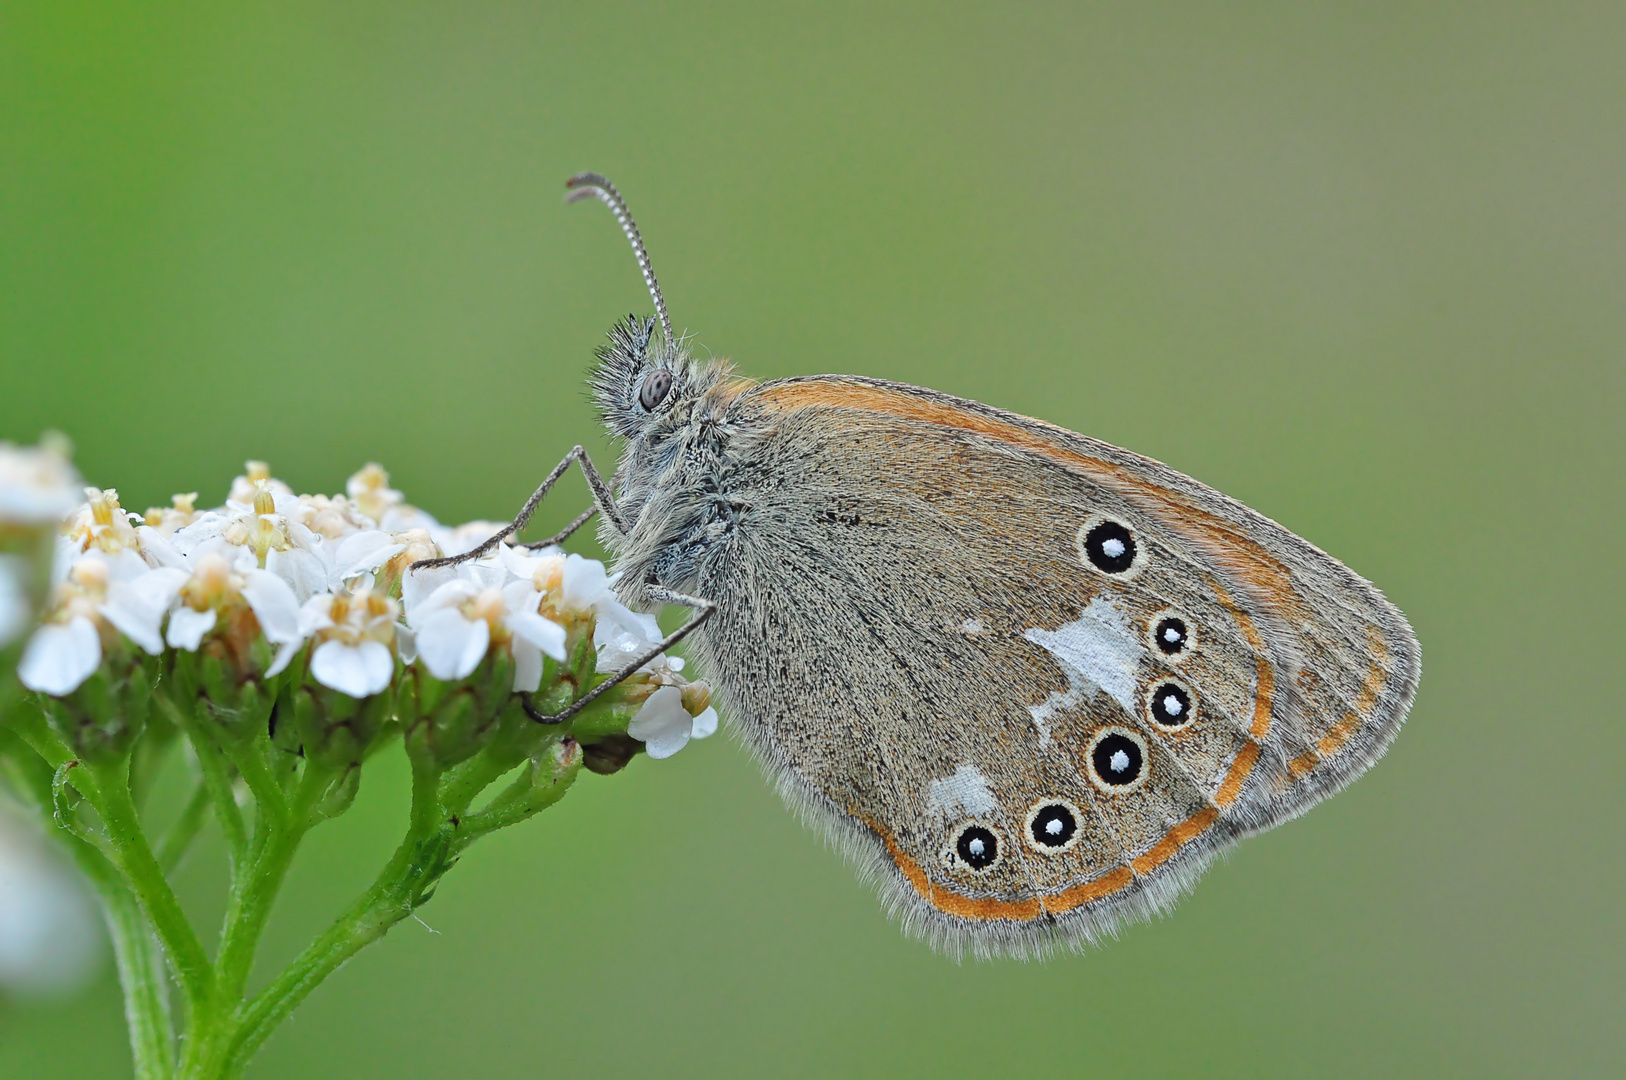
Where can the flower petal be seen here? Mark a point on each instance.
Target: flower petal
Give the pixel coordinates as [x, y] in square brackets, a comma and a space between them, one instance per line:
[705, 725]
[613, 614]
[207, 526]
[158, 549]
[274, 605]
[584, 584]
[517, 561]
[661, 724]
[448, 594]
[137, 608]
[361, 552]
[59, 658]
[545, 634]
[305, 571]
[406, 642]
[187, 627]
[358, 670]
[316, 614]
[527, 665]
[285, 655]
[450, 646]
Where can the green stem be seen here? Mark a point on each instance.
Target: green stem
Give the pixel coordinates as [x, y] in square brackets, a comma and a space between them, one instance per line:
[146, 878]
[141, 970]
[520, 800]
[250, 907]
[173, 847]
[216, 776]
[278, 833]
[391, 898]
[249, 757]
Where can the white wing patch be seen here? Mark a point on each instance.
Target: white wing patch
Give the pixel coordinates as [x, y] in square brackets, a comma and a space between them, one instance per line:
[966, 792]
[1099, 653]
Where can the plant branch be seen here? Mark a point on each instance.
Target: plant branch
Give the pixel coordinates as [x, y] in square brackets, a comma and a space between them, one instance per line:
[173, 847]
[216, 777]
[145, 876]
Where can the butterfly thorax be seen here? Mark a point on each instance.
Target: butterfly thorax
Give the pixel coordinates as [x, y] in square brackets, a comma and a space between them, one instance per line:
[674, 484]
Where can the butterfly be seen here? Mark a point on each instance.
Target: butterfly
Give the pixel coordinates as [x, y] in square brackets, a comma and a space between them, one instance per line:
[1031, 683]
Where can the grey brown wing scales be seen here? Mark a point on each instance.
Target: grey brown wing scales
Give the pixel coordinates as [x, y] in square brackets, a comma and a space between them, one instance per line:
[930, 637]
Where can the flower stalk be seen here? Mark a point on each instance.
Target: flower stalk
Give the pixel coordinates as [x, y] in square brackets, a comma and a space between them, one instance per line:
[278, 644]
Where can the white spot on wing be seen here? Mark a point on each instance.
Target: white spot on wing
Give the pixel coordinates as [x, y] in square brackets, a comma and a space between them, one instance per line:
[971, 626]
[1099, 653]
[964, 793]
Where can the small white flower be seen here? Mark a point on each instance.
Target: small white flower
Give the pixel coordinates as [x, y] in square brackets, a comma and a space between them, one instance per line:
[61, 656]
[267, 532]
[664, 726]
[121, 591]
[101, 524]
[353, 631]
[332, 518]
[38, 486]
[577, 585]
[215, 585]
[254, 474]
[457, 613]
[370, 489]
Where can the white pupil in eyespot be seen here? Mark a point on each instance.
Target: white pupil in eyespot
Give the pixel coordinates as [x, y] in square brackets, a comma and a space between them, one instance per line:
[1119, 761]
[1053, 826]
[1113, 547]
[1171, 705]
[1171, 634]
[975, 846]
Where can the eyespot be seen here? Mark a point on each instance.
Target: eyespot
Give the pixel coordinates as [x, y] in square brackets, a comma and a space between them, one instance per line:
[1172, 636]
[657, 384]
[1171, 705]
[1117, 760]
[1053, 826]
[975, 846]
[1111, 546]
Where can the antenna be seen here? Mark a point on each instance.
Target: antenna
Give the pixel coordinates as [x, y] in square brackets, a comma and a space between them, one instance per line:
[593, 185]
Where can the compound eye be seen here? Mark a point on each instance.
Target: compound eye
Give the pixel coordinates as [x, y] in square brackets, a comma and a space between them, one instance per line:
[657, 384]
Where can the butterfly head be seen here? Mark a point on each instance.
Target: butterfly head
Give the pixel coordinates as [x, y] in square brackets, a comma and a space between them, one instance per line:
[646, 385]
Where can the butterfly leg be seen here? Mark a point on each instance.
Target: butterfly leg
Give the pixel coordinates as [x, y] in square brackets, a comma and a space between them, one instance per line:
[602, 502]
[702, 609]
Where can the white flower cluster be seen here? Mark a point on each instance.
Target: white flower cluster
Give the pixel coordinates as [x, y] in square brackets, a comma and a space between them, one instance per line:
[271, 573]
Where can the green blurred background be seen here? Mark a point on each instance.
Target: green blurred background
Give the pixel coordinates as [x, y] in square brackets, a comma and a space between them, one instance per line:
[1358, 265]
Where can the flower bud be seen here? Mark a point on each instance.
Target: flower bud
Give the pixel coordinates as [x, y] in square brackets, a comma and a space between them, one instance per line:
[458, 718]
[330, 728]
[101, 719]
